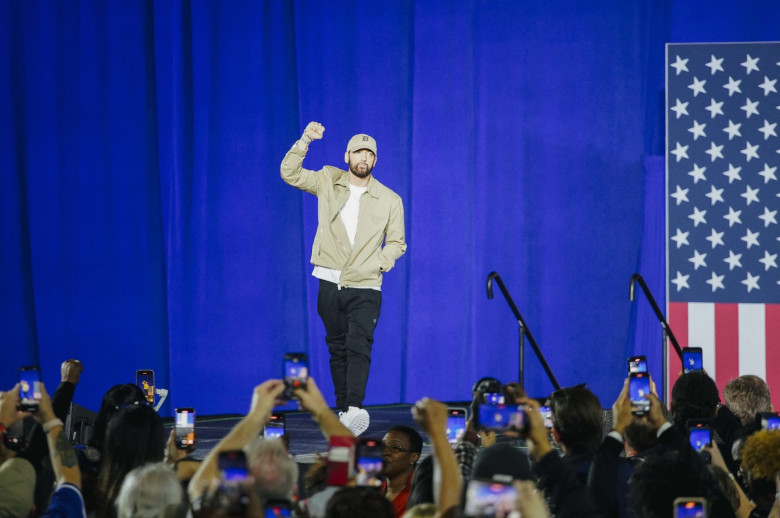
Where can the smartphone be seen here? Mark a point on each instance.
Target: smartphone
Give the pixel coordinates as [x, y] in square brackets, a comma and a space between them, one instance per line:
[497, 497]
[29, 388]
[547, 416]
[699, 434]
[274, 428]
[341, 460]
[638, 388]
[690, 507]
[233, 498]
[692, 360]
[368, 462]
[770, 420]
[495, 398]
[144, 378]
[637, 364]
[277, 509]
[456, 424]
[185, 429]
[295, 372]
[501, 418]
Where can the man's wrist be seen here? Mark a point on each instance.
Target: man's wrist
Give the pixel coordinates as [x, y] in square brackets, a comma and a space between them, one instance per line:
[305, 139]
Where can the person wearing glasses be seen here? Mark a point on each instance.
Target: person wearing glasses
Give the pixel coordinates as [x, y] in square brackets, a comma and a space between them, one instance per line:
[403, 446]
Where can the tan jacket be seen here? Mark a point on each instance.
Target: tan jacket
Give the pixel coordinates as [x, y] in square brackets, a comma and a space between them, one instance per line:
[381, 219]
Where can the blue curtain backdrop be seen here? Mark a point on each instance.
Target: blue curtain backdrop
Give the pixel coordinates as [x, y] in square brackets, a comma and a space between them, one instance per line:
[144, 223]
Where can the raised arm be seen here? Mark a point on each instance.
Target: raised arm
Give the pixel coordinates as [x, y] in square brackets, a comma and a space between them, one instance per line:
[312, 401]
[243, 433]
[292, 169]
[63, 457]
[431, 415]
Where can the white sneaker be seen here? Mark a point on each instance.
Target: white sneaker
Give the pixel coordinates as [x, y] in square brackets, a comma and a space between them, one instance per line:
[356, 419]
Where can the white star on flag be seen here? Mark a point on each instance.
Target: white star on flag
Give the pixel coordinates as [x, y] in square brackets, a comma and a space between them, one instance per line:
[697, 173]
[697, 130]
[733, 217]
[698, 86]
[733, 86]
[698, 260]
[768, 86]
[750, 64]
[733, 129]
[750, 238]
[767, 129]
[751, 282]
[769, 260]
[750, 107]
[733, 260]
[716, 281]
[714, 151]
[750, 151]
[768, 173]
[733, 173]
[716, 238]
[680, 65]
[715, 195]
[769, 217]
[750, 195]
[715, 108]
[680, 195]
[698, 217]
[681, 281]
[715, 64]
[681, 238]
[680, 152]
[680, 108]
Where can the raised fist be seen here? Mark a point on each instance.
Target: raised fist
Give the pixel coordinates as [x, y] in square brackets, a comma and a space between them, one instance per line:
[314, 130]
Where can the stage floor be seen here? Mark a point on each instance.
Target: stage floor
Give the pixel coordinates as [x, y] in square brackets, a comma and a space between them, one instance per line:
[306, 439]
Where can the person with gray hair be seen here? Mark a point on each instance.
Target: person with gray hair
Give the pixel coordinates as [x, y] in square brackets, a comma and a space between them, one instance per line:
[275, 473]
[151, 491]
[746, 396]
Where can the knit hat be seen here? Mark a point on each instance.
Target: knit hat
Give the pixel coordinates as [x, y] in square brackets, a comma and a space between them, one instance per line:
[502, 459]
[361, 141]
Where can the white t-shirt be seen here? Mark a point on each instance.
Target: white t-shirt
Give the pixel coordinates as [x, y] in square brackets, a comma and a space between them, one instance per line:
[349, 216]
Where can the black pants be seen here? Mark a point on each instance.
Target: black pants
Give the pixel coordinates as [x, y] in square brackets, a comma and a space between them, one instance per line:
[350, 317]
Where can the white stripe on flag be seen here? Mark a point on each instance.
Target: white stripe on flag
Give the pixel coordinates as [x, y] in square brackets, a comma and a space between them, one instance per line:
[752, 340]
[701, 332]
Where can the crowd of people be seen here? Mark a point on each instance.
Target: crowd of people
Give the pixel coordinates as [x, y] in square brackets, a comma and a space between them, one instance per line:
[578, 461]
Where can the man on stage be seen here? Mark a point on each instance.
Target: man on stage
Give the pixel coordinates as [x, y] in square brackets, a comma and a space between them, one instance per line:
[356, 216]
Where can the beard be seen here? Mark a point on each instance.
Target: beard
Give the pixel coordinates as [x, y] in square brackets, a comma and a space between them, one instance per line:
[360, 173]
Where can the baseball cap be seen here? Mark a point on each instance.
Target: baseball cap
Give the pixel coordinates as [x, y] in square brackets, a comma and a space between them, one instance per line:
[17, 482]
[361, 141]
[502, 459]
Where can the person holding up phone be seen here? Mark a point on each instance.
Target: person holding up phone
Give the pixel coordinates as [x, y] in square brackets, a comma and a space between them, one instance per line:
[359, 237]
[265, 460]
[67, 499]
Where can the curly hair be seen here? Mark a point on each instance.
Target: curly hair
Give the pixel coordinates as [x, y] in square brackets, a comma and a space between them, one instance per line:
[761, 454]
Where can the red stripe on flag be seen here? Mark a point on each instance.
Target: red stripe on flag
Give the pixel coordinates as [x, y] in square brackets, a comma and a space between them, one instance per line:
[773, 351]
[678, 323]
[726, 344]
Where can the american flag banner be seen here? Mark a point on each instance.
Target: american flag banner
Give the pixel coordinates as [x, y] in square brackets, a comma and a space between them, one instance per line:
[723, 205]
